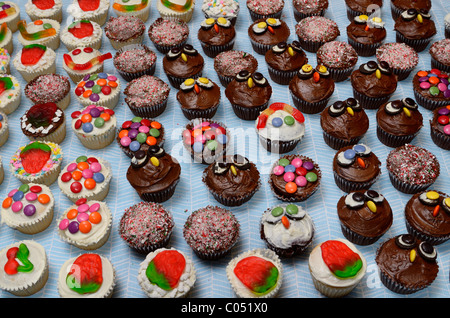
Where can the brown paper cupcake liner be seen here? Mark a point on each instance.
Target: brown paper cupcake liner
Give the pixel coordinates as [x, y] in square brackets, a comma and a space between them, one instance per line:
[358, 239]
[430, 104]
[351, 14]
[396, 287]
[340, 75]
[161, 196]
[281, 77]
[225, 80]
[395, 12]
[370, 102]
[393, 141]
[406, 187]
[166, 48]
[337, 143]
[256, 16]
[259, 47]
[310, 46]
[447, 32]
[307, 107]
[213, 50]
[440, 139]
[419, 45]
[442, 67]
[278, 146]
[200, 113]
[364, 49]
[177, 81]
[248, 113]
[150, 248]
[402, 74]
[300, 15]
[349, 186]
[433, 240]
[131, 76]
[151, 111]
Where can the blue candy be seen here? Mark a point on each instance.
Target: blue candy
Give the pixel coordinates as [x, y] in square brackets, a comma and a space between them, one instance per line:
[98, 177]
[277, 122]
[197, 146]
[1, 117]
[289, 168]
[222, 139]
[87, 127]
[359, 148]
[134, 145]
[18, 196]
[349, 154]
[102, 75]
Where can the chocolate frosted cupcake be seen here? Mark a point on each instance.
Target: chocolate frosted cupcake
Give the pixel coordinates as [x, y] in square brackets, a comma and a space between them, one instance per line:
[216, 36]
[440, 127]
[415, 28]
[229, 63]
[180, 64]
[406, 264]
[412, 169]
[49, 88]
[124, 30]
[211, 232]
[249, 94]
[284, 61]
[287, 229]
[339, 57]
[133, 61]
[398, 6]
[167, 33]
[366, 34]
[311, 89]
[294, 178]
[360, 7]
[440, 55]
[355, 168]
[344, 123]
[365, 216]
[263, 9]
[154, 174]
[398, 122]
[265, 33]
[401, 58]
[232, 180]
[199, 98]
[373, 84]
[431, 88]
[307, 8]
[313, 32]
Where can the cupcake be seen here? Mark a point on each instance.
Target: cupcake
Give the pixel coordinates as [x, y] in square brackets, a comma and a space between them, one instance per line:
[440, 127]
[308, 8]
[431, 88]
[398, 6]
[336, 267]
[139, 9]
[149, 103]
[10, 14]
[355, 167]
[206, 140]
[6, 41]
[28, 275]
[211, 232]
[139, 134]
[440, 55]
[44, 122]
[402, 58]
[168, 9]
[83, 61]
[265, 33]
[412, 169]
[373, 84]
[133, 61]
[339, 58]
[96, 11]
[86, 224]
[248, 94]
[263, 9]
[95, 126]
[344, 123]
[406, 264]
[44, 32]
[256, 273]
[294, 178]
[364, 215]
[4, 129]
[37, 162]
[99, 283]
[166, 273]
[366, 35]
[10, 97]
[37, 10]
[427, 216]
[398, 122]
[284, 61]
[29, 208]
[199, 98]
[167, 33]
[182, 63]
[101, 89]
[287, 229]
[311, 89]
[82, 33]
[228, 64]
[415, 28]
[85, 178]
[232, 180]
[5, 59]
[124, 30]
[228, 9]
[314, 31]
[216, 36]
[35, 60]
[154, 174]
[280, 128]
[360, 7]
[49, 88]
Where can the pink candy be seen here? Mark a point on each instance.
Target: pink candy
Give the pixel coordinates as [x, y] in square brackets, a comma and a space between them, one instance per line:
[87, 173]
[17, 206]
[425, 85]
[447, 129]
[31, 196]
[289, 176]
[278, 170]
[64, 224]
[82, 217]
[125, 141]
[301, 181]
[72, 167]
[83, 208]
[297, 162]
[95, 207]
[96, 167]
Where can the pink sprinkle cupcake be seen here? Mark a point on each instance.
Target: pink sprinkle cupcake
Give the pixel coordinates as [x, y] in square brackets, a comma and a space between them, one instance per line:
[314, 31]
[262, 9]
[440, 55]
[167, 33]
[228, 64]
[402, 58]
[339, 57]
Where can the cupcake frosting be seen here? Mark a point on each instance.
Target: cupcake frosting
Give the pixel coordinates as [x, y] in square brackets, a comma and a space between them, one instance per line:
[397, 55]
[374, 80]
[216, 9]
[337, 55]
[414, 25]
[400, 117]
[81, 9]
[265, 7]
[317, 29]
[93, 120]
[39, 31]
[440, 50]
[81, 33]
[40, 10]
[37, 63]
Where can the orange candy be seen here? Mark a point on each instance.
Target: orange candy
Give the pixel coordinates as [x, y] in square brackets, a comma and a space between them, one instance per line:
[85, 227]
[196, 132]
[7, 203]
[123, 133]
[422, 73]
[83, 165]
[361, 162]
[38, 22]
[81, 84]
[155, 124]
[89, 183]
[285, 221]
[86, 118]
[105, 116]
[77, 175]
[72, 214]
[43, 198]
[151, 141]
[95, 217]
[87, 93]
[101, 82]
[112, 84]
[434, 80]
[290, 187]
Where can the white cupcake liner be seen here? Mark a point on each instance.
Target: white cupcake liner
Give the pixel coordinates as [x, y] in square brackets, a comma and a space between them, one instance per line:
[4, 135]
[2, 174]
[64, 103]
[10, 107]
[95, 44]
[330, 291]
[13, 24]
[53, 42]
[57, 16]
[279, 146]
[142, 14]
[56, 136]
[9, 46]
[29, 76]
[37, 225]
[185, 16]
[97, 141]
[77, 77]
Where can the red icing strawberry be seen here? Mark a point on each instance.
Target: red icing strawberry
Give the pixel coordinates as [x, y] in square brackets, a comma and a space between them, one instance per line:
[89, 5]
[42, 114]
[166, 268]
[86, 274]
[340, 259]
[258, 274]
[31, 54]
[44, 4]
[34, 156]
[81, 29]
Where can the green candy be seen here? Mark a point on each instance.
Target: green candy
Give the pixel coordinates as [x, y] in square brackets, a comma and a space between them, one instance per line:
[277, 211]
[154, 132]
[96, 89]
[141, 138]
[47, 26]
[292, 209]
[289, 120]
[24, 188]
[311, 177]
[283, 162]
[81, 159]
[136, 119]
[434, 91]
[93, 77]
[212, 144]
[99, 122]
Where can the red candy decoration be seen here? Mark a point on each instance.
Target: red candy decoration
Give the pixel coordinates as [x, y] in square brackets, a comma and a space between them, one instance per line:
[81, 201]
[36, 189]
[443, 120]
[66, 177]
[88, 50]
[75, 114]
[32, 54]
[78, 124]
[76, 187]
[43, 4]
[82, 29]
[89, 5]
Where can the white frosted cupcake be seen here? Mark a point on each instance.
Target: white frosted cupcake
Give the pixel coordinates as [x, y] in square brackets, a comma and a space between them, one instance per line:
[11, 13]
[82, 33]
[4, 128]
[6, 41]
[44, 10]
[136, 8]
[37, 162]
[102, 89]
[155, 286]
[28, 275]
[100, 285]
[83, 61]
[5, 59]
[29, 208]
[336, 267]
[181, 9]
[93, 10]
[11, 97]
[35, 60]
[86, 177]
[44, 32]
[86, 224]
[49, 88]
[95, 126]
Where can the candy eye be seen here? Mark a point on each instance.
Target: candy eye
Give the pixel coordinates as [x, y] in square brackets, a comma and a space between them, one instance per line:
[409, 103]
[405, 241]
[260, 27]
[445, 204]
[336, 109]
[294, 212]
[425, 13]
[139, 159]
[409, 14]
[207, 24]
[243, 76]
[374, 196]
[369, 67]
[156, 151]
[296, 46]
[430, 198]
[427, 251]
[188, 84]
[361, 150]
[305, 72]
[189, 49]
[280, 47]
[393, 107]
[204, 82]
[354, 104]
[355, 200]
[361, 19]
[346, 158]
[273, 22]
[322, 70]
[223, 22]
[384, 68]
[220, 168]
[174, 53]
[259, 79]
[241, 162]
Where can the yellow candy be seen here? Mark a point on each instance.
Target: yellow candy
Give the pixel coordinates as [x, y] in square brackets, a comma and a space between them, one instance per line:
[407, 112]
[377, 20]
[222, 20]
[271, 21]
[262, 25]
[233, 170]
[419, 18]
[412, 255]
[291, 51]
[189, 82]
[154, 161]
[447, 202]
[378, 73]
[433, 195]
[203, 80]
[350, 111]
[250, 82]
[184, 57]
[372, 207]
[307, 68]
[209, 21]
[322, 68]
[364, 17]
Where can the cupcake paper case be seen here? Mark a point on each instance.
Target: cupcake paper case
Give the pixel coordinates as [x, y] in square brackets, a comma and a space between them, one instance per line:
[167, 33]
[10, 98]
[6, 41]
[313, 32]
[440, 127]
[37, 10]
[101, 89]
[35, 60]
[124, 30]
[44, 32]
[133, 61]
[263, 9]
[415, 29]
[169, 9]
[431, 88]
[402, 58]
[228, 64]
[96, 11]
[136, 8]
[10, 15]
[440, 55]
[4, 128]
[49, 88]
[339, 58]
